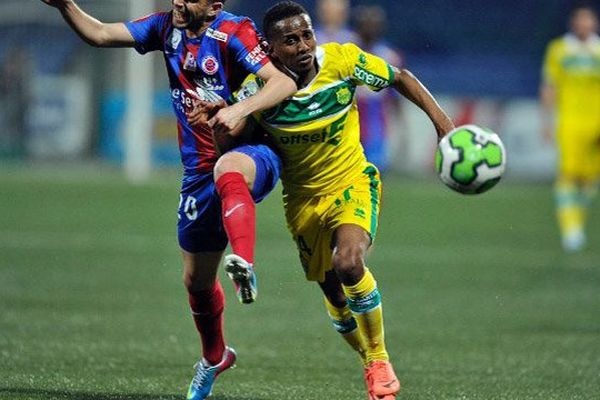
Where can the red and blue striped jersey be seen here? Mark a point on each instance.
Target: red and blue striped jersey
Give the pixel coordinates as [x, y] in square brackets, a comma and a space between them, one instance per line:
[212, 65]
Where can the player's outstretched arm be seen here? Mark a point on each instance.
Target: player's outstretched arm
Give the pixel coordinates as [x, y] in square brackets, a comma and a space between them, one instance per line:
[547, 100]
[92, 31]
[277, 88]
[411, 88]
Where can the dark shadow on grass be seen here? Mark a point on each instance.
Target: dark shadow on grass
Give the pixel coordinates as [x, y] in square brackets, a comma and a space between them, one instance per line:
[49, 394]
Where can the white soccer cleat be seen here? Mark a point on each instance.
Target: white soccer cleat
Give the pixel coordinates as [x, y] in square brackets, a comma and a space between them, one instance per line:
[574, 241]
[242, 274]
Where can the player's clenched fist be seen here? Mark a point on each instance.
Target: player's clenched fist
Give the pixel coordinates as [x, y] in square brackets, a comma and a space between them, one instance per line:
[227, 119]
[202, 111]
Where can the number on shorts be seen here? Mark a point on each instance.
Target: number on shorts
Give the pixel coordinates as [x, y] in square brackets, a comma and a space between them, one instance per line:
[189, 207]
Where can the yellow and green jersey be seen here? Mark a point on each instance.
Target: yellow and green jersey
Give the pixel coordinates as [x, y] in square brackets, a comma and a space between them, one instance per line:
[317, 131]
[572, 66]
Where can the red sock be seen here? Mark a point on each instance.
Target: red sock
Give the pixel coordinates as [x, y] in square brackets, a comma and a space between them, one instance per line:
[238, 213]
[207, 309]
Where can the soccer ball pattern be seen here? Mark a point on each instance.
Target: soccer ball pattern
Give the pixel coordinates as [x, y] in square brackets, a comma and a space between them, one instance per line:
[470, 159]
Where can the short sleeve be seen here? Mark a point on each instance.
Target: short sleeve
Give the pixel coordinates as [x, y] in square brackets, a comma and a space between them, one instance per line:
[247, 48]
[148, 31]
[552, 69]
[249, 87]
[367, 69]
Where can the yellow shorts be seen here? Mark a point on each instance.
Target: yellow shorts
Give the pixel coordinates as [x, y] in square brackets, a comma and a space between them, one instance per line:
[313, 220]
[579, 153]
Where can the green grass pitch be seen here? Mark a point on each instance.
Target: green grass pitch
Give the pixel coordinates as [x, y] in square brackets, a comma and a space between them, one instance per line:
[479, 301]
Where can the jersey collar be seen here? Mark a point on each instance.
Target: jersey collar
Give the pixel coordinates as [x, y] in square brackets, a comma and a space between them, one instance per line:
[573, 40]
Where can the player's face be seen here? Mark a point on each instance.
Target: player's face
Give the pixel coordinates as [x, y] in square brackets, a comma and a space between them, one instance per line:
[294, 43]
[192, 14]
[584, 23]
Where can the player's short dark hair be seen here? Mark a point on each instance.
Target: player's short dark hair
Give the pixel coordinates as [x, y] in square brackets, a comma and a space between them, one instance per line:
[583, 5]
[279, 12]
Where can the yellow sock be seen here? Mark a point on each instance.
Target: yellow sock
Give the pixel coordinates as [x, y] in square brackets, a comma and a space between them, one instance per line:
[570, 208]
[345, 324]
[365, 303]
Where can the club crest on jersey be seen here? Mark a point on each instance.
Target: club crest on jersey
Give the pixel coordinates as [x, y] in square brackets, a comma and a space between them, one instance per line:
[209, 65]
[190, 62]
[343, 96]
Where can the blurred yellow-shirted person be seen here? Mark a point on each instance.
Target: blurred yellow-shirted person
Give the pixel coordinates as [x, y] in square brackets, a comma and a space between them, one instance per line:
[571, 89]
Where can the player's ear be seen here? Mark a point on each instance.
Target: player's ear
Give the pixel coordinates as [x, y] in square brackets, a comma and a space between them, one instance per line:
[215, 8]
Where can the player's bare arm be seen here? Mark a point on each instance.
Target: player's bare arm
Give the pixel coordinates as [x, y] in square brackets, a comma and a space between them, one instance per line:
[548, 101]
[277, 88]
[411, 88]
[91, 30]
[202, 111]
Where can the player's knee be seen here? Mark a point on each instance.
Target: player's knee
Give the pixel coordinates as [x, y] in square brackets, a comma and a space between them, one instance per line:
[197, 282]
[349, 264]
[235, 162]
[188, 282]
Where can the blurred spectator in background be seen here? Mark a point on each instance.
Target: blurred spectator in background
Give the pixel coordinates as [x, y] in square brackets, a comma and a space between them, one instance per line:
[333, 22]
[379, 113]
[14, 102]
[571, 87]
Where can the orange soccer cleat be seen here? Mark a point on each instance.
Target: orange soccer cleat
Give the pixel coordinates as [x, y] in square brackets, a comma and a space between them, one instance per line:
[381, 381]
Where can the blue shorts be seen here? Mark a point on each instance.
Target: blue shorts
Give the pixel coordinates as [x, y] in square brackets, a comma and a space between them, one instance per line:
[200, 227]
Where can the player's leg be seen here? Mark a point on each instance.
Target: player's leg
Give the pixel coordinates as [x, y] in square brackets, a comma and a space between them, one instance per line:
[314, 248]
[202, 240]
[206, 299]
[570, 208]
[312, 222]
[234, 178]
[350, 246]
[207, 302]
[354, 220]
[589, 191]
[341, 316]
[590, 174]
[570, 213]
[243, 177]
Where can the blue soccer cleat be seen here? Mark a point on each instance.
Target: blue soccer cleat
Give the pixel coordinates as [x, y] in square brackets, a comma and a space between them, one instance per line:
[242, 274]
[204, 378]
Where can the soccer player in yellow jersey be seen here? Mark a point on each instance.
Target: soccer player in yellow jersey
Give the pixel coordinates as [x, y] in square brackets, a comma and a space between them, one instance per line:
[571, 86]
[331, 192]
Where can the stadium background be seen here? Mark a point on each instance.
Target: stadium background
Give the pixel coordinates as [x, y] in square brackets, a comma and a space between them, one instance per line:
[76, 96]
[480, 301]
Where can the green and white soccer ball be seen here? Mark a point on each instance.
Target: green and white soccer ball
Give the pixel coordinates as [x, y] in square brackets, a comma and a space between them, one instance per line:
[470, 159]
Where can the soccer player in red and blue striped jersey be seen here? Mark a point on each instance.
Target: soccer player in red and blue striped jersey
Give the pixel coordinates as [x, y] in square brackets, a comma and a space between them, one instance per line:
[207, 52]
